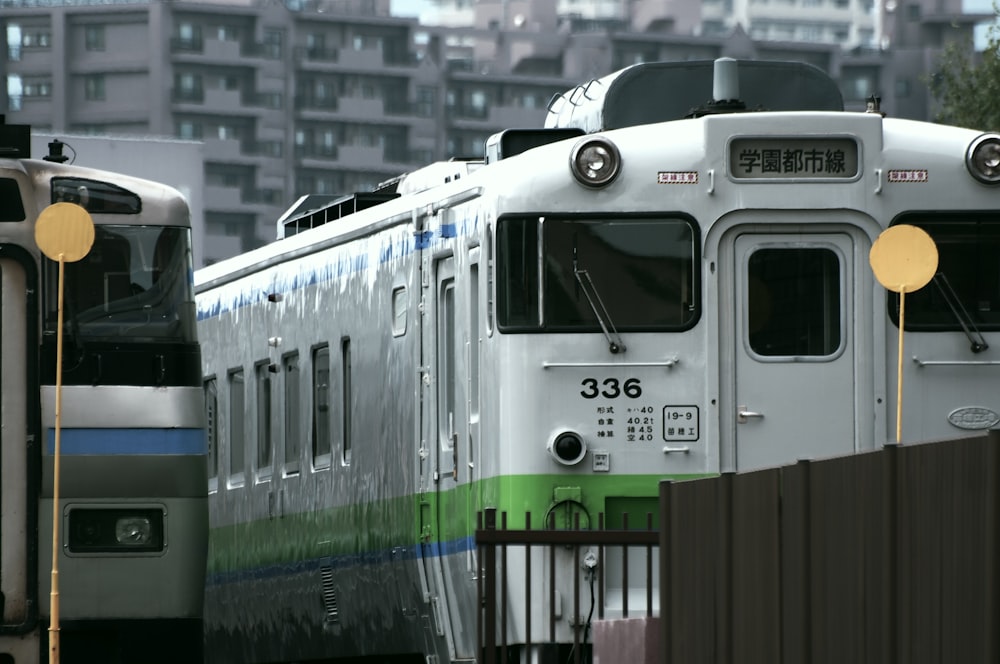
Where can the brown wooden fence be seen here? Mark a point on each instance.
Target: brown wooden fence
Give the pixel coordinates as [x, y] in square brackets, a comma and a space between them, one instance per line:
[884, 557]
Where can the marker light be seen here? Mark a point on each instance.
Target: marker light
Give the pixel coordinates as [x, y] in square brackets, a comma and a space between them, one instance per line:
[567, 448]
[983, 158]
[595, 161]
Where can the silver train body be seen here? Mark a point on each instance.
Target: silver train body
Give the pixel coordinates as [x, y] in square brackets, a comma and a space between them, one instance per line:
[554, 330]
[132, 485]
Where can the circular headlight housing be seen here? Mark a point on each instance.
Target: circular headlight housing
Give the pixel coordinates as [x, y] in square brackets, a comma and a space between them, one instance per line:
[595, 161]
[983, 158]
[568, 448]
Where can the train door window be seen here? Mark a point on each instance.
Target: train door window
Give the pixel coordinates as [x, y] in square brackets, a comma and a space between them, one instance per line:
[794, 301]
[447, 387]
[293, 430]
[262, 375]
[11, 206]
[474, 334]
[212, 431]
[965, 292]
[489, 281]
[237, 418]
[321, 434]
[345, 364]
[400, 305]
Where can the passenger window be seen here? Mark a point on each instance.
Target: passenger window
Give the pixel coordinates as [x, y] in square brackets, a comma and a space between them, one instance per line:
[262, 372]
[237, 418]
[321, 390]
[293, 430]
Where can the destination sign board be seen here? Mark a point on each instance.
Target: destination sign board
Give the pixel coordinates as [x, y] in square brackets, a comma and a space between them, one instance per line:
[809, 158]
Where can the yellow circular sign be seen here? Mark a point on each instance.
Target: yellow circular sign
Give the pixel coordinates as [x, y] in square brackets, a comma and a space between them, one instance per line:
[904, 258]
[64, 231]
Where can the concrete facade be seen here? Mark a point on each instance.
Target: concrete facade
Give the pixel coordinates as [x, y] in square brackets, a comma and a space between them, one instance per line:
[334, 96]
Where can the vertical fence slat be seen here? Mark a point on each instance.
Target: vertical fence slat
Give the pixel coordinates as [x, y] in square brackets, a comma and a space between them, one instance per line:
[795, 589]
[666, 599]
[527, 586]
[503, 595]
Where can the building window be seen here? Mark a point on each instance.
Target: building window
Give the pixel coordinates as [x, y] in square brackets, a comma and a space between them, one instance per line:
[36, 38]
[93, 37]
[189, 130]
[93, 87]
[273, 40]
[37, 87]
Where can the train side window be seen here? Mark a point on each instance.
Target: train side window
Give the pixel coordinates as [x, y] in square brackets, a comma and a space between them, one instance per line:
[212, 431]
[262, 375]
[794, 302]
[347, 422]
[400, 305]
[292, 417]
[321, 393]
[11, 205]
[237, 419]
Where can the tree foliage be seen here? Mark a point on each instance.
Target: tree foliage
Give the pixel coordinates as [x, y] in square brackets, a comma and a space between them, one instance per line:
[966, 84]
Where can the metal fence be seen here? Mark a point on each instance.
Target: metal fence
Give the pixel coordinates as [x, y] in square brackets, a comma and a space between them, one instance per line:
[889, 557]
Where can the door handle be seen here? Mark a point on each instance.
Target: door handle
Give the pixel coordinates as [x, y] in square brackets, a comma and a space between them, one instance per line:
[742, 415]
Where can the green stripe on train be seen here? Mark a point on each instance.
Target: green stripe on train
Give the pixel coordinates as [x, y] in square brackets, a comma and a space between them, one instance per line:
[378, 526]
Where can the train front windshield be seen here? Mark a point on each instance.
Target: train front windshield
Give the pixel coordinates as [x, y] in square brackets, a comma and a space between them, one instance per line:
[133, 285]
[569, 273]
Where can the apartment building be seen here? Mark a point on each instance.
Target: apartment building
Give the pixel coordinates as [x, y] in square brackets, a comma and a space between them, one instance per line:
[330, 97]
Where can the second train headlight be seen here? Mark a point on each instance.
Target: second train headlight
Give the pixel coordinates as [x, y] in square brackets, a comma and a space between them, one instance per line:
[568, 448]
[115, 530]
[983, 158]
[595, 161]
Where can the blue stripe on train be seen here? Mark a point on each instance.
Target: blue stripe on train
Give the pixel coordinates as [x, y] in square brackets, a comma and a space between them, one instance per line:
[342, 562]
[127, 441]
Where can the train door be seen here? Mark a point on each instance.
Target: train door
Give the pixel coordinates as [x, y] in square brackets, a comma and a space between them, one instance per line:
[796, 368]
[17, 529]
[444, 561]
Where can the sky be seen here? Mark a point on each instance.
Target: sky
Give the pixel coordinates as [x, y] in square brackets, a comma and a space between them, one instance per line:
[416, 7]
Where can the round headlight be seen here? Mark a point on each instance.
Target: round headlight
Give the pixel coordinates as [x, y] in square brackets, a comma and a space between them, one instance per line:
[595, 161]
[568, 448]
[983, 158]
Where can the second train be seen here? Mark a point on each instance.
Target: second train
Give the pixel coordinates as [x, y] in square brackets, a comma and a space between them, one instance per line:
[670, 280]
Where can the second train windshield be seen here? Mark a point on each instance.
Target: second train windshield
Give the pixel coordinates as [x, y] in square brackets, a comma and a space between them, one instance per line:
[133, 284]
[570, 272]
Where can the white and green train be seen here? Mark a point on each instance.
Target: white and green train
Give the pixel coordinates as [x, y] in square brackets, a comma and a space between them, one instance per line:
[645, 289]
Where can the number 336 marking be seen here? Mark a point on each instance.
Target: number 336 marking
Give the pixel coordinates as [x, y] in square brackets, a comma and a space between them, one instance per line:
[613, 388]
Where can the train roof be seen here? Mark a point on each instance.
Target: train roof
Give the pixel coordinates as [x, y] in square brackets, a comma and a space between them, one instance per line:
[660, 91]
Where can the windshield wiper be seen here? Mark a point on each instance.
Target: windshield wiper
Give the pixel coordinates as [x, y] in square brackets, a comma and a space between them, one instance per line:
[961, 315]
[615, 343]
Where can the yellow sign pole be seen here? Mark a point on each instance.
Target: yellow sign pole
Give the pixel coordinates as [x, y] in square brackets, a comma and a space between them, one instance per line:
[903, 258]
[64, 232]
